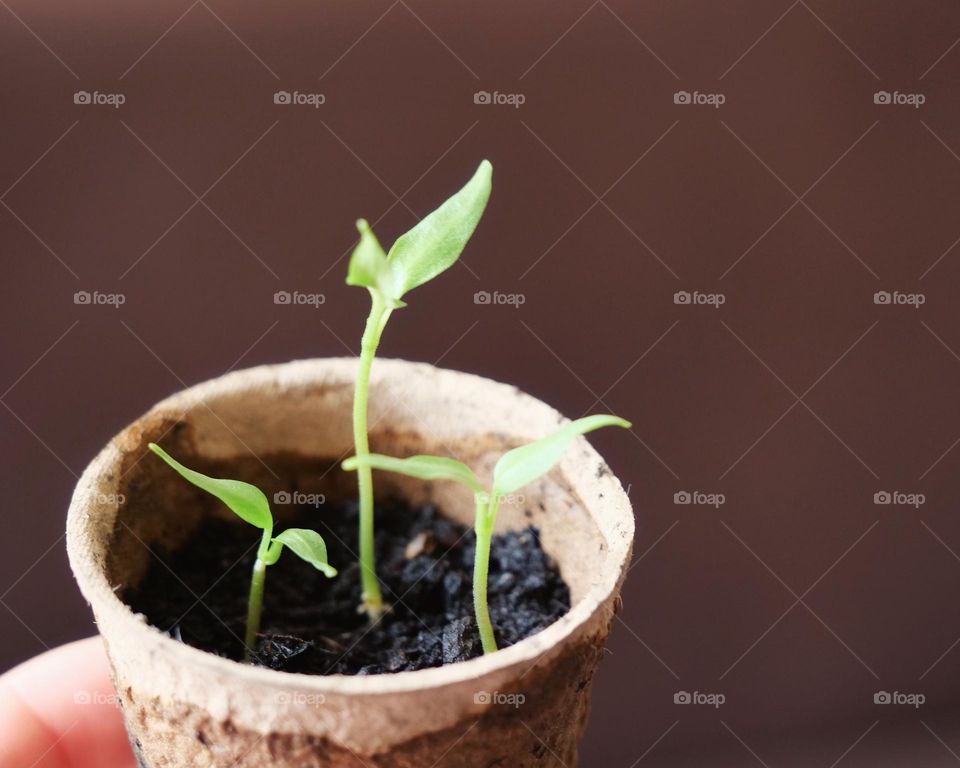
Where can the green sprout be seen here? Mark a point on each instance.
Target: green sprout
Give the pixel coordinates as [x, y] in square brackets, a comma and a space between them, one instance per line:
[416, 257]
[250, 504]
[515, 469]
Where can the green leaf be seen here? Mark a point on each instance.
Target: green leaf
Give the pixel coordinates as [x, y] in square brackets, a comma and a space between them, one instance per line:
[307, 545]
[246, 501]
[369, 267]
[525, 464]
[422, 467]
[437, 241]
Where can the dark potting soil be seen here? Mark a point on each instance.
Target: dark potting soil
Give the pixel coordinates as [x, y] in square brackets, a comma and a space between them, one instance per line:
[311, 624]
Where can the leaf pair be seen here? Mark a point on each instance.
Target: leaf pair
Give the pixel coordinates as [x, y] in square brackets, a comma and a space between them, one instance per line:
[428, 249]
[307, 545]
[515, 469]
[250, 504]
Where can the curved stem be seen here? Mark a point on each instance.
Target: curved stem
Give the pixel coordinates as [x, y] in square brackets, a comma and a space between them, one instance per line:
[481, 565]
[255, 600]
[254, 607]
[370, 587]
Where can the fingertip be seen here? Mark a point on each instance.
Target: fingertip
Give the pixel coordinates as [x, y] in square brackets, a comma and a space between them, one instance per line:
[60, 710]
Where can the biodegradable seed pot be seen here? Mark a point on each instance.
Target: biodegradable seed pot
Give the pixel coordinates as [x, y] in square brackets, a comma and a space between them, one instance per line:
[524, 705]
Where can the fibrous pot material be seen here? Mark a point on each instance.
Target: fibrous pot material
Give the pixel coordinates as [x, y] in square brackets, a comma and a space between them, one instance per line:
[525, 705]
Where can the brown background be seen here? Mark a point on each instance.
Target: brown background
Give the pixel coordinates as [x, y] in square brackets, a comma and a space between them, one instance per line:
[798, 399]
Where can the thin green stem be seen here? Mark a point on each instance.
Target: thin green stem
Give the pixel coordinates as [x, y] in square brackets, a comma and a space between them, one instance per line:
[254, 607]
[255, 600]
[483, 526]
[370, 587]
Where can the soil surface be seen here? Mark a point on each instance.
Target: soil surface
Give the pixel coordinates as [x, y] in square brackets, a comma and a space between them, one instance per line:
[311, 623]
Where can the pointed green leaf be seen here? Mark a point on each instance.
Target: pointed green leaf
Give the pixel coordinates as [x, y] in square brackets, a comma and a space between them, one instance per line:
[369, 267]
[437, 241]
[422, 467]
[308, 545]
[246, 501]
[525, 464]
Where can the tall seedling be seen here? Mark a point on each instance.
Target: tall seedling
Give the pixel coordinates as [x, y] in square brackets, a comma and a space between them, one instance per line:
[428, 249]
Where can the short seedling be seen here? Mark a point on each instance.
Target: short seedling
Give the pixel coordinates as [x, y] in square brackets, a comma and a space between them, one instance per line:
[250, 504]
[428, 249]
[514, 470]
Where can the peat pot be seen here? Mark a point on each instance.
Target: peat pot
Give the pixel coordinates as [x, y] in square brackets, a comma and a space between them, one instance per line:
[525, 705]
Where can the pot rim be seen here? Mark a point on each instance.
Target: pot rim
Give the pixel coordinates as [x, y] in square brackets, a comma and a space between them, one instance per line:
[86, 513]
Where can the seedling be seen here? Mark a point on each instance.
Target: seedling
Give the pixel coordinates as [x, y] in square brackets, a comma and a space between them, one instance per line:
[418, 256]
[514, 470]
[250, 504]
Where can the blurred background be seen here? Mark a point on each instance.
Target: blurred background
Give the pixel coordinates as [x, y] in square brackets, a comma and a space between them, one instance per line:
[734, 223]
